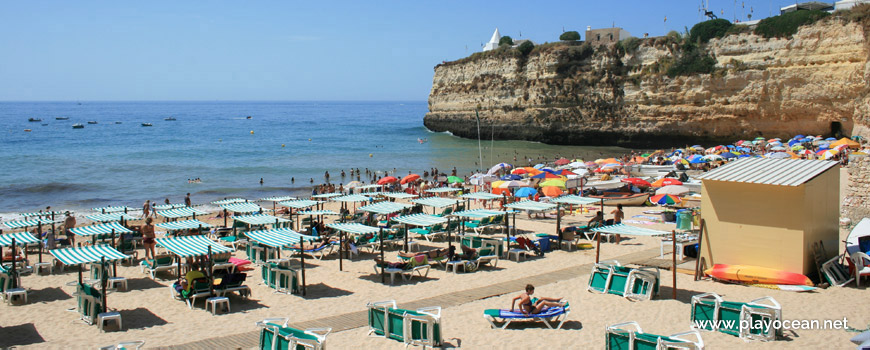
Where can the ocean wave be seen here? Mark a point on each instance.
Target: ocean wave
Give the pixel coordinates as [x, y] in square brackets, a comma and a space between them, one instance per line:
[51, 188]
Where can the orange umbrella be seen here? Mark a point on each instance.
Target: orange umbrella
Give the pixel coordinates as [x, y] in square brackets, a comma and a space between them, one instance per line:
[518, 171]
[551, 191]
[666, 181]
[386, 180]
[409, 178]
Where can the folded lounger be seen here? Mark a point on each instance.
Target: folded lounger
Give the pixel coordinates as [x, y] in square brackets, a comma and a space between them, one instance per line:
[610, 277]
[276, 335]
[629, 336]
[547, 316]
[412, 327]
[730, 317]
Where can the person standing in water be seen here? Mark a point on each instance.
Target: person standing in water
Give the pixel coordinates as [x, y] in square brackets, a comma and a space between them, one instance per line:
[187, 200]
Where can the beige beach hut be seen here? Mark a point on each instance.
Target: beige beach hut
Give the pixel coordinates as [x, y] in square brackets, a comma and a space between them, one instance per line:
[769, 212]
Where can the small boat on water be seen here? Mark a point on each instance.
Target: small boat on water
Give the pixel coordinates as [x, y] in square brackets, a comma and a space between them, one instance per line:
[623, 198]
[147, 124]
[61, 118]
[44, 124]
[117, 122]
[249, 117]
[169, 119]
[78, 126]
[34, 119]
[27, 130]
[92, 122]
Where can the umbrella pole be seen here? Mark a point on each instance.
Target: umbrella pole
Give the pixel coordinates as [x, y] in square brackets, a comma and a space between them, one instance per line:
[341, 251]
[178, 260]
[225, 219]
[559, 223]
[597, 246]
[381, 238]
[210, 272]
[12, 274]
[449, 242]
[406, 238]
[674, 253]
[80, 273]
[114, 263]
[602, 205]
[103, 281]
[698, 260]
[302, 261]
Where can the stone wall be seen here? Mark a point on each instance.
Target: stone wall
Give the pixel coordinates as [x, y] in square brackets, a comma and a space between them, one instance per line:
[856, 202]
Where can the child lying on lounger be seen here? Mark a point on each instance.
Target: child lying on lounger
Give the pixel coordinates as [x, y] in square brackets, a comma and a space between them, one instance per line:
[529, 305]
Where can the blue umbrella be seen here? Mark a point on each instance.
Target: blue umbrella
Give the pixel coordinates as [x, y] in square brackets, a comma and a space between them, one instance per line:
[798, 137]
[728, 155]
[538, 166]
[509, 177]
[525, 192]
[830, 139]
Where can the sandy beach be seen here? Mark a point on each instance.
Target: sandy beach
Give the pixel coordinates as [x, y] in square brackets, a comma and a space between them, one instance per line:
[150, 314]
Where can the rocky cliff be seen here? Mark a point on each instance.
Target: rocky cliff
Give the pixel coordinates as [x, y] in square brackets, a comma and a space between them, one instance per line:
[565, 93]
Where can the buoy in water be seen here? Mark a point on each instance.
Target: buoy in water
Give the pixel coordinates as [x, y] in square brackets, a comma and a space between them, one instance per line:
[371, 155]
[309, 140]
[282, 145]
[252, 132]
[220, 140]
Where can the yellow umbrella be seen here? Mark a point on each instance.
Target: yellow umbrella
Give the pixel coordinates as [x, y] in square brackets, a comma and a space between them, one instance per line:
[554, 183]
[496, 184]
[845, 141]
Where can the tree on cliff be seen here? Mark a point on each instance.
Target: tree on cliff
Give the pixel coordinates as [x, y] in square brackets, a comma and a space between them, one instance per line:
[704, 31]
[570, 36]
[505, 40]
[526, 47]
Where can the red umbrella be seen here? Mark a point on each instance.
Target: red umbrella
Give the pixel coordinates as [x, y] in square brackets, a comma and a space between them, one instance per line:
[409, 178]
[518, 171]
[666, 181]
[637, 182]
[386, 180]
[566, 172]
[562, 161]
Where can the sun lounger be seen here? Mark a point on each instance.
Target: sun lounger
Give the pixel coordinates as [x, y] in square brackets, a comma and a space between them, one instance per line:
[233, 283]
[90, 303]
[629, 336]
[718, 314]
[127, 345]
[161, 263]
[438, 256]
[610, 277]
[412, 327]
[835, 273]
[277, 335]
[318, 253]
[430, 233]
[199, 287]
[547, 316]
[281, 277]
[415, 265]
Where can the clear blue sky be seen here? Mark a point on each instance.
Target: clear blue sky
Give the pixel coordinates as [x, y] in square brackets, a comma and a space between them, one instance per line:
[278, 50]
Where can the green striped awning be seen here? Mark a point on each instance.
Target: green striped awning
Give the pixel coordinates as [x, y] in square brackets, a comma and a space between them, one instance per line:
[27, 223]
[183, 225]
[576, 200]
[420, 220]
[350, 198]
[182, 212]
[87, 254]
[317, 212]
[531, 205]
[398, 195]
[111, 209]
[326, 195]
[229, 201]
[444, 190]
[436, 202]
[259, 219]
[385, 207]
[481, 195]
[278, 199]
[167, 206]
[21, 238]
[623, 229]
[110, 217]
[299, 204]
[278, 238]
[368, 187]
[353, 228]
[478, 213]
[191, 246]
[242, 207]
[100, 229]
[41, 214]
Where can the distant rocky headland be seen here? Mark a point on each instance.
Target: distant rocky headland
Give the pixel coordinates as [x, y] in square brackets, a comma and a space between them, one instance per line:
[791, 74]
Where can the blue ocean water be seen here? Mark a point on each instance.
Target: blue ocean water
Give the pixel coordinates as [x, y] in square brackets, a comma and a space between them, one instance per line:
[125, 164]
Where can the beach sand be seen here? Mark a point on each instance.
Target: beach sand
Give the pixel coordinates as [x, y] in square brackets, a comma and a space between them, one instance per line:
[150, 314]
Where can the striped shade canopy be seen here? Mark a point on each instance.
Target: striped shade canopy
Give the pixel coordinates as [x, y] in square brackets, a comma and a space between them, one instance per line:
[259, 219]
[242, 207]
[350, 198]
[181, 212]
[278, 238]
[87, 254]
[436, 202]
[423, 220]
[576, 200]
[398, 195]
[110, 217]
[111, 209]
[368, 187]
[191, 246]
[167, 206]
[299, 204]
[278, 199]
[444, 190]
[480, 195]
[326, 195]
[43, 214]
[623, 229]
[385, 207]
[182, 225]
[27, 223]
[21, 238]
[100, 229]
[353, 228]
[229, 201]
[478, 213]
[317, 212]
[530, 205]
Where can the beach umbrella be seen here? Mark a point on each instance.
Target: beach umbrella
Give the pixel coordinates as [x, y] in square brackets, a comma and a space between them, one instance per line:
[831, 139]
[828, 154]
[607, 161]
[553, 182]
[579, 164]
[525, 192]
[728, 155]
[713, 157]
[353, 184]
[580, 172]
[511, 184]
[675, 190]
[778, 155]
[847, 142]
[565, 172]
[664, 199]
[386, 180]
[519, 171]
[666, 181]
[637, 182]
[546, 175]
[778, 148]
[511, 177]
[552, 191]
[562, 161]
[409, 178]
[497, 167]
[538, 166]
[454, 179]
[796, 147]
[841, 147]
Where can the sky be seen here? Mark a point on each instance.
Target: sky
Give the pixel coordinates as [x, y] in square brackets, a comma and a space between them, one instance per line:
[287, 50]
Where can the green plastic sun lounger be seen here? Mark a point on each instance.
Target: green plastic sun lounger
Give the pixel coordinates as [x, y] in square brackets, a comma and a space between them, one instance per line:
[749, 321]
[281, 277]
[629, 336]
[609, 277]
[275, 334]
[412, 327]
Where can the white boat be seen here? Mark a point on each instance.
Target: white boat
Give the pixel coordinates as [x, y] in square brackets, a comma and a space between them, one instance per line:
[78, 126]
[650, 170]
[628, 199]
[92, 122]
[605, 185]
[146, 124]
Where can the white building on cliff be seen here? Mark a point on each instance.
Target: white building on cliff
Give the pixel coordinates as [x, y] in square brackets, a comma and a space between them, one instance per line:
[493, 42]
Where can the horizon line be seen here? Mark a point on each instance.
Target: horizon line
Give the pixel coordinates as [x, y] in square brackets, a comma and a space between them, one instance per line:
[81, 101]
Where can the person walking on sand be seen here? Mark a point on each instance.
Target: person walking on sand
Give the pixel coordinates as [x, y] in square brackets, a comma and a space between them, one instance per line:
[618, 215]
[68, 224]
[187, 200]
[146, 209]
[148, 239]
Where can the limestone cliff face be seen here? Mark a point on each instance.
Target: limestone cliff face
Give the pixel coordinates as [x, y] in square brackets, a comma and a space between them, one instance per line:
[563, 95]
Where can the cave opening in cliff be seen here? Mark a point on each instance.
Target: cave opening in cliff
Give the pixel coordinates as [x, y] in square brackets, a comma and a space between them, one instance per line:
[836, 130]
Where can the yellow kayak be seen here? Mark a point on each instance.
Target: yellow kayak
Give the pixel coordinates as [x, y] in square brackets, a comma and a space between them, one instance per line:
[756, 275]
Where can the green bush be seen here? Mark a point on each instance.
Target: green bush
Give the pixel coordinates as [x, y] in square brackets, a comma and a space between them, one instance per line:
[704, 31]
[505, 40]
[570, 36]
[630, 44]
[526, 47]
[787, 24]
[738, 29]
[693, 60]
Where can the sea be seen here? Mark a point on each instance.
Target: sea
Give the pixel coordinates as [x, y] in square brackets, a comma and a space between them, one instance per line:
[230, 147]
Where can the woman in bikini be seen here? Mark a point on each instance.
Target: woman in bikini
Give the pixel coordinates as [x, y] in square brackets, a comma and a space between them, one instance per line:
[529, 305]
[148, 238]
